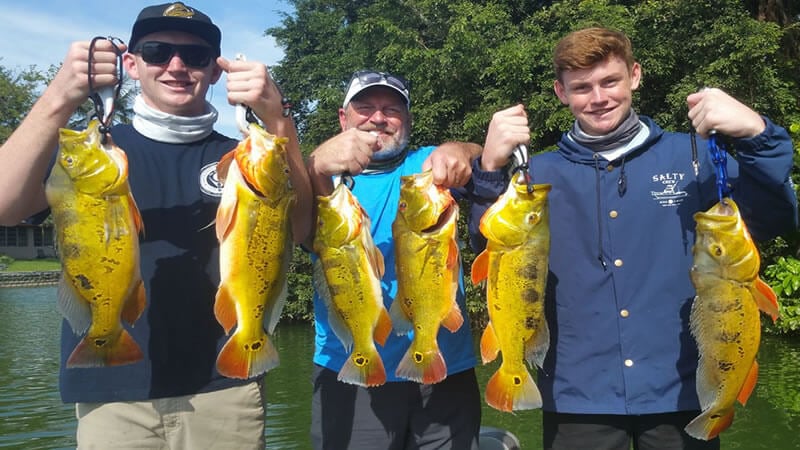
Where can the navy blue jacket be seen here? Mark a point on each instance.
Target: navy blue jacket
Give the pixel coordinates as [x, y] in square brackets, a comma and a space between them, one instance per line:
[619, 293]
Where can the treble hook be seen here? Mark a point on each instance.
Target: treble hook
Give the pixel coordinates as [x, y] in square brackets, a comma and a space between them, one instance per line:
[104, 99]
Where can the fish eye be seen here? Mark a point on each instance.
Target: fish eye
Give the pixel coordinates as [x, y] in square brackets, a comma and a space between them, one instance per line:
[402, 206]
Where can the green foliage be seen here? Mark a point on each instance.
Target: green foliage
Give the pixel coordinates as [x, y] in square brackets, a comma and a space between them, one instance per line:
[18, 92]
[5, 261]
[784, 278]
[299, 301]
[467, 59]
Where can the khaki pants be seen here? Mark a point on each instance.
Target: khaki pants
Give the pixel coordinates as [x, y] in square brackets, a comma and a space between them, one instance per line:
[232, 418]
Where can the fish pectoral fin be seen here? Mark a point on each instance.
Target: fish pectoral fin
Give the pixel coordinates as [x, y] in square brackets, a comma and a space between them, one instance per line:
[490, 346]
[453, 259]
[454, 319]
[224, 164]
[135, 304]
[138, 222]
[480, 267]
[225, 308]
[766, 299]
[226, 214]
[76, 310]
[375, 258]
[749, 384]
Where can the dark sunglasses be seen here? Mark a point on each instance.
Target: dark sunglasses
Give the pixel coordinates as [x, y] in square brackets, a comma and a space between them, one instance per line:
[370, 76]
[193, 55]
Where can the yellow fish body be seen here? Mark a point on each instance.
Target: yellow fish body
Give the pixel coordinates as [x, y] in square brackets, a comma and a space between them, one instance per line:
[347, 277]
[515, 266]
[254, 231]
[427, 264]
[725, 319]
[97, 224]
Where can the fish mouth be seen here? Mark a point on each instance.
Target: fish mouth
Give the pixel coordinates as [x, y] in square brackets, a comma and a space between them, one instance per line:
[443, 219]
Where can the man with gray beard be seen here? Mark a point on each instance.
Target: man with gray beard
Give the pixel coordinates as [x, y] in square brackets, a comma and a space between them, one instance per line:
[372, 147]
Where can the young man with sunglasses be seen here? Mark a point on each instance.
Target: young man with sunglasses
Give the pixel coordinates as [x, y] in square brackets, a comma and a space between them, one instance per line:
[174, 397]
[621, 367]
[373, 148]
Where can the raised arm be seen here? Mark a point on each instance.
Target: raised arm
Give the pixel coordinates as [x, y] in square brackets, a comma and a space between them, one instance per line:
[249, 83]
[27, 153]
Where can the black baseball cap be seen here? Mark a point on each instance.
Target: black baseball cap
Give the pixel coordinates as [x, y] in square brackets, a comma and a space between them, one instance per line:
[175, 17]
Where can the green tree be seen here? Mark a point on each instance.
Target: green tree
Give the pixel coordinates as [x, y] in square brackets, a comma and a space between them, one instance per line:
[467, 59]
[18, 92]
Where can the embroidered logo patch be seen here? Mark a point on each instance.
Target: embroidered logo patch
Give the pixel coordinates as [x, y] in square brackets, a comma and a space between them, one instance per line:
[669, 192]
[209, 183]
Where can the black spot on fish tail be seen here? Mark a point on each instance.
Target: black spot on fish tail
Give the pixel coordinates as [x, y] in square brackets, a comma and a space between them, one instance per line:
[418, 357]
[530, 323]
[100, 343]
[516, 381]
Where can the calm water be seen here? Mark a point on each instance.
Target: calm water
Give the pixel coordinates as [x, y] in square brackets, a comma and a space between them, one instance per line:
[33, 417]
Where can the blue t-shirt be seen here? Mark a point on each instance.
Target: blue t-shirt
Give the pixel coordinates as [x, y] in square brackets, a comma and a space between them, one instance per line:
[176, 189]
[379, 194]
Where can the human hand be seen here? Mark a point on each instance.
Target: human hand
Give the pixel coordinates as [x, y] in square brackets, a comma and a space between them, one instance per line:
[713, 109]
[451, 164]
[249, 83]
[72, 79]
[507, 129]
[348, 152]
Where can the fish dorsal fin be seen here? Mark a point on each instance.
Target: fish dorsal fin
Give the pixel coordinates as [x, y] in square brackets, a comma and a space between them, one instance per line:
[226, 211]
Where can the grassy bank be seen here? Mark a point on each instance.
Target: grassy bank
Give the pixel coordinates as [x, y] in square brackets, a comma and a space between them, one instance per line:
[33, 265]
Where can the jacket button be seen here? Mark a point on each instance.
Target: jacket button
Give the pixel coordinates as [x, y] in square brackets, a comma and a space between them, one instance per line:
[624, 313]
[618, 262]
[613, 214]
[629, 363]
[610, 167]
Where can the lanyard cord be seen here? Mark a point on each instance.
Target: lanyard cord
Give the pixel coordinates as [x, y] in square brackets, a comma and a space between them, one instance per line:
[104, 98]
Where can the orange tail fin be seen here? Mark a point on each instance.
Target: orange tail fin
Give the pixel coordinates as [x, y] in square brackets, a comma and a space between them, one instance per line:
[91, 354]
[363, 368]
[243, 357]
[508, 391]
[709, 424]
[422, 366]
